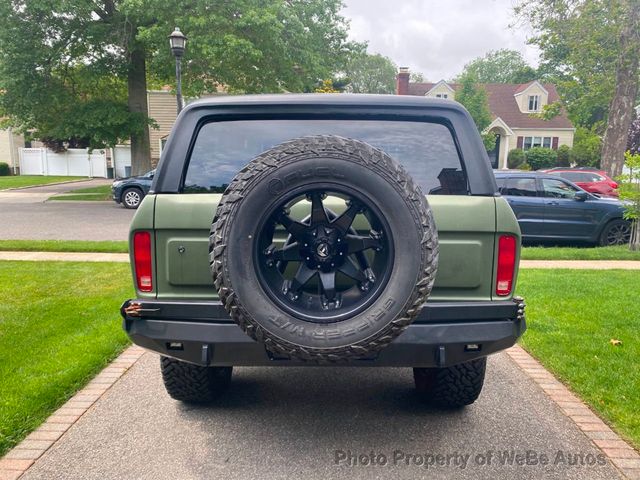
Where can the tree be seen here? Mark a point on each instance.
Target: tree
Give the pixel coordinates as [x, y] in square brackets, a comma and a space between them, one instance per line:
[622, 106]
[474, 99]
[417, 77]
[630, 194]
[371, 73]
[76, 71]
[500, 66]
[589, 48]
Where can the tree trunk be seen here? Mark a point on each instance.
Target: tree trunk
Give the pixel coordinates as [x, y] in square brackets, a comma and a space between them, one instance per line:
[623, 103]
[137, 101]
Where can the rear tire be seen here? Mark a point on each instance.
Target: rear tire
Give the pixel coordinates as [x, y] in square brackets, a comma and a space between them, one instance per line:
[451, 387]
[192, 383]
[616, 232]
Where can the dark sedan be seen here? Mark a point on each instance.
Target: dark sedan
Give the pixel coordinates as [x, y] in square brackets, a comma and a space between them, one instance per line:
[550, 208]
[130, 191]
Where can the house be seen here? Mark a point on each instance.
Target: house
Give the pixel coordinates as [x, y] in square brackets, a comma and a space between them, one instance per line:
[10, 143]
[512, 107]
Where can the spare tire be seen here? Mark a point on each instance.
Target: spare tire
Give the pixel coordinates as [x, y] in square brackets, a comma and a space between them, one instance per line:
[323, 249]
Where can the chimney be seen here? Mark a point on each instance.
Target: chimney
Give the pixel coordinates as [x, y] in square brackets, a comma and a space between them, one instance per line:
[402, 81]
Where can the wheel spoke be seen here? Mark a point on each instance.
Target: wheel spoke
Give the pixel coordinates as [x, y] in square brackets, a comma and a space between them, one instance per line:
[295, 228]
[303, 275]
[328, 281]
[350, 269]
[289, 253]
[344, 221]
[318, 213]
[358, 243]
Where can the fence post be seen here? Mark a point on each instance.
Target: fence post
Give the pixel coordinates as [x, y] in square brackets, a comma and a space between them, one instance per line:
[44, 161]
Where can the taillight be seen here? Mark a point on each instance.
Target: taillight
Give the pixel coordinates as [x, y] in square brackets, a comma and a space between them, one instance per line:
[613, 184]
[142, 260]
[506, 264]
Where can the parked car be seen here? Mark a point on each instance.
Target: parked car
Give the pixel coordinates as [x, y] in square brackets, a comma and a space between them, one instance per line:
[549, 207]
[131, 190]
[323, 250]
[591, 180]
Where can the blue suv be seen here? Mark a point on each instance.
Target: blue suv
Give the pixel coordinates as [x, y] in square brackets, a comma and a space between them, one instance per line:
[550, 208]
[130, 191]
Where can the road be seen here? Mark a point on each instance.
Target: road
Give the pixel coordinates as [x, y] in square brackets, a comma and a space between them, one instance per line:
[26, 215]
[289, 423]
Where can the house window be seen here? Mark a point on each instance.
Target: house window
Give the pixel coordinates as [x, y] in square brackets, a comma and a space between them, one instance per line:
[534, 103]
[530, 142]
[442, 95]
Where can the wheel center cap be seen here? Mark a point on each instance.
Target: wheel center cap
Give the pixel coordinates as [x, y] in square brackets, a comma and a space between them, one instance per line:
[322, 250]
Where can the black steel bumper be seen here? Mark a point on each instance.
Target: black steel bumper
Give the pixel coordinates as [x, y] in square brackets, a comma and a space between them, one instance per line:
[445, 333]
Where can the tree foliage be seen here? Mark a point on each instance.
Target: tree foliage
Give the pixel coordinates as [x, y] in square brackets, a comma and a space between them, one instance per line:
[630, 193]
[370, 73]
[77, 70]
[474, 98]
[500, 66]
[586, 148]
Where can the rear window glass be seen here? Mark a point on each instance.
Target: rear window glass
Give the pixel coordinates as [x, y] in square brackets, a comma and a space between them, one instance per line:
[427, 150]
[520, 187]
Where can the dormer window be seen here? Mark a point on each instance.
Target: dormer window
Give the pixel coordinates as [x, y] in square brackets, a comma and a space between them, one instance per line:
[534, 103]
[442, 95]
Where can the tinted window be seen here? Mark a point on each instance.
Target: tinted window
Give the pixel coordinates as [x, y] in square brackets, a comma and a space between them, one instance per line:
[581, 176]
[557, 189]
[426, 150]
[520, 187]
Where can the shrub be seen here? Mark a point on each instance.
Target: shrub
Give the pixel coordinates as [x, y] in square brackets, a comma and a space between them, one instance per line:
[4, 169]
[540, 157]
[586, 148]
[564, 154]
[525, 166]
[515, 158]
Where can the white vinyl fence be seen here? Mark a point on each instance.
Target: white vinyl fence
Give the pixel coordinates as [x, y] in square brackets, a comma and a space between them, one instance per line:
[121, 160]
[76, 162]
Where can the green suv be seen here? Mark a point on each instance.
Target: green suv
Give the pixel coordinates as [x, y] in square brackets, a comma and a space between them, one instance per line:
[356, 230]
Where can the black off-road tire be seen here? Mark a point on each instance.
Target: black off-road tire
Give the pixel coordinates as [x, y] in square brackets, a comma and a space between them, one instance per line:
[192, 383]
[451, 387]
[619, 226]
[297, 164]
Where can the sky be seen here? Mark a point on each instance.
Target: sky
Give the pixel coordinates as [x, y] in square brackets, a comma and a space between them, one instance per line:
[437, 37]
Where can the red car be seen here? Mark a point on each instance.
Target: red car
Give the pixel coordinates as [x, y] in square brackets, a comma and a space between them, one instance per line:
[591, 180]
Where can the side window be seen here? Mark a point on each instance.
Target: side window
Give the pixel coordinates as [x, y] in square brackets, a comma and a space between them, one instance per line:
[521, 187]
[557, 189]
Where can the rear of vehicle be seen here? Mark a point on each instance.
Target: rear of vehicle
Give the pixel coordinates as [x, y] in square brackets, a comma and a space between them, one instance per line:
[593, 181]
[470, 312]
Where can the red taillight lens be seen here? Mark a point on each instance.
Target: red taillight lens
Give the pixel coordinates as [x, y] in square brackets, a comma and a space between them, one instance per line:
[142, 260]
[613, 184]
[506, 264]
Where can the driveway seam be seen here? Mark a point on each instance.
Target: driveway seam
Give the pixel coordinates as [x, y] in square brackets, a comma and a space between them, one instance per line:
[19, 459]
[622, 455]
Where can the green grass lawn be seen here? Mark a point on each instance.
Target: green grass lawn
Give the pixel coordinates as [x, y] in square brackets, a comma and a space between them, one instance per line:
[29, 180]
[100, 193]
[64, 246]
[59, 326]
[579, 253]
[572, 315]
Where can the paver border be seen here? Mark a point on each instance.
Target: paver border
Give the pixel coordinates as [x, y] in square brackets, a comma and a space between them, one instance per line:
[18, 460]
[621, 455]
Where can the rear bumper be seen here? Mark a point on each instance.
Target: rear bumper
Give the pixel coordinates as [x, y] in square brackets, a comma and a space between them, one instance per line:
[446, 333]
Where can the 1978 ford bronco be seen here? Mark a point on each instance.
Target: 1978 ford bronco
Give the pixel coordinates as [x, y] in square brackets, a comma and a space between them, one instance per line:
[356, 230]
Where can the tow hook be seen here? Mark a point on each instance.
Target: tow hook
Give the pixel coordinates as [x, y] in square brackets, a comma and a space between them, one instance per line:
[136, 309]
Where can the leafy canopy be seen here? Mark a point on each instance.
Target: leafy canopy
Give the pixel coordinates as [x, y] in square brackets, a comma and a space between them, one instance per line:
[500, 66]
[64, 63]
[370, 73]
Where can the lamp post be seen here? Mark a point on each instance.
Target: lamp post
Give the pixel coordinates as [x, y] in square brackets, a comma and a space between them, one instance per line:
[178, 41]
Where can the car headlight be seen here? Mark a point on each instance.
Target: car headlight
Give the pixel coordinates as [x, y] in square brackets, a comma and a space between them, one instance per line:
[117, 183]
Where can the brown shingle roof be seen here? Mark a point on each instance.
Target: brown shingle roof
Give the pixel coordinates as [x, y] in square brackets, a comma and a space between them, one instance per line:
[502, 103]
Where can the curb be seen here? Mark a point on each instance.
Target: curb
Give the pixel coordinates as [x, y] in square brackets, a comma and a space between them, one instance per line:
[618, 452]
[48, 184]
[18, 460]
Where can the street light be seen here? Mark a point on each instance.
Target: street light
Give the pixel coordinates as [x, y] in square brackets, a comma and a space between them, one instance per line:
[178, 41]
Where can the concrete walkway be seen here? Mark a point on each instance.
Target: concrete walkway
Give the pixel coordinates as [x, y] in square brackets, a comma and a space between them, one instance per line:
[124, 258]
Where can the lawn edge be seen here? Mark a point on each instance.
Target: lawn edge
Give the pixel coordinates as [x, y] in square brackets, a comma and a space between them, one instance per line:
[47, 184]
[619, 453]
[21, 457]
